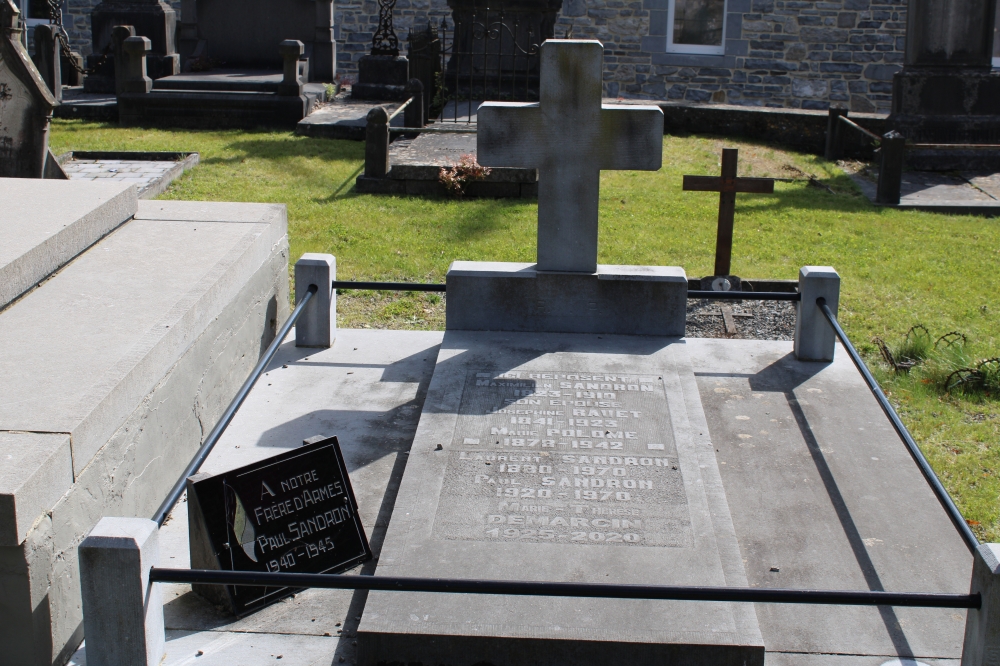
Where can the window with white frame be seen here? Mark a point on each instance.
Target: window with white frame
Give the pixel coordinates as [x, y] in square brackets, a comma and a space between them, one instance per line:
[696, 26]
[34, 12]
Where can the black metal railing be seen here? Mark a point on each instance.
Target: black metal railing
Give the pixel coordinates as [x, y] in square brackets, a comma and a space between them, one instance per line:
[560, 589]
[692, 293]
[925, 468]
[227, 416]
[486, 53]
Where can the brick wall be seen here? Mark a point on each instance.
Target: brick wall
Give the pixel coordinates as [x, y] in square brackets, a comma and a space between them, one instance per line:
[805, 54]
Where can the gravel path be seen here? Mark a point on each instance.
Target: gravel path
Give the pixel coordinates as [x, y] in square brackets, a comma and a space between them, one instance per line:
[755, 320]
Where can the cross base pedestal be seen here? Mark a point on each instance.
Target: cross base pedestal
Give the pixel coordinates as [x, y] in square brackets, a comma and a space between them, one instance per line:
[617, 300]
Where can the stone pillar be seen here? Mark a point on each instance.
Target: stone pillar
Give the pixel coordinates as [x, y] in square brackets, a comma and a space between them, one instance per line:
[946, 91]
[377, 144]
[291, 50]
[122, 609]
[324, 53]
[413, 114]
[892, 154]
[118, 36]
[815, 339]
[136, 81]
[982, 626]
[48, 57]
[317, 326]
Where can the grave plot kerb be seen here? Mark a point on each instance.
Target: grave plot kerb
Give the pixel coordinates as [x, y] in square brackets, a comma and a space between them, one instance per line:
[570, 137]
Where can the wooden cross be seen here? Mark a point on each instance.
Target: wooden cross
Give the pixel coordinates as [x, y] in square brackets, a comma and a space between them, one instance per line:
[570, 137]
[727, 186]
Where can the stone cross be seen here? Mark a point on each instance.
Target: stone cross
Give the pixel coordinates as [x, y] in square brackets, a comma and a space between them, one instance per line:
[727, 186]
[569, 136]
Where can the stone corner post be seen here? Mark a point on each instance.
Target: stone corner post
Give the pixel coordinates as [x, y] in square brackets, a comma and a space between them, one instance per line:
[815, 339]
[982, 626]
[122, 609]
[136, 81]
[48, 58]
[834, 134]
[291, 84]
[890, 171]
[413, 114]
[317, 325]
[377, 144]
[119, 34]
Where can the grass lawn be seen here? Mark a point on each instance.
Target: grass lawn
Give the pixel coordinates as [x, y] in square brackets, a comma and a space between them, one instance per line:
[898, 268]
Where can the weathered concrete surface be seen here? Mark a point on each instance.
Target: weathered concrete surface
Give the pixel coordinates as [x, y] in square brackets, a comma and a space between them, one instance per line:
[962, 193]
[150, 172]
[133, 351]
[675, 520]
[570, 137]
[37, 468]
[507, 296]
[822, 489]
[46, 223]
[343, 118]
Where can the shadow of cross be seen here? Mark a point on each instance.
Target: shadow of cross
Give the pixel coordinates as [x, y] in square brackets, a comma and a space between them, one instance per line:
[727, 186]
[569, 136]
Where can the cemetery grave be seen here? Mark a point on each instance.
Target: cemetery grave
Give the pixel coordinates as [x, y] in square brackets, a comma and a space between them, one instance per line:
[715, 435]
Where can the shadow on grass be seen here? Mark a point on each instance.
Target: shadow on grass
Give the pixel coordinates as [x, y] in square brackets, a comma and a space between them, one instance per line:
[271, 147]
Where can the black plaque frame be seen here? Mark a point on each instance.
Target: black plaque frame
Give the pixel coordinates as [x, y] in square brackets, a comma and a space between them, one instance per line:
[278, 514]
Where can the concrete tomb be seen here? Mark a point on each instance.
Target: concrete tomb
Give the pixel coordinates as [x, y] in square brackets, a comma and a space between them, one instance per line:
[126, 326]
[562, 457]
[26, 104]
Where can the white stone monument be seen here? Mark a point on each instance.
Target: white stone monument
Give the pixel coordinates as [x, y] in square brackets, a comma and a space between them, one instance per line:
[570, 137]
[562, 457]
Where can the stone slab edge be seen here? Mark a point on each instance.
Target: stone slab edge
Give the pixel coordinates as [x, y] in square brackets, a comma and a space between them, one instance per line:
[25, 272]
[24, 498]
[137, 372]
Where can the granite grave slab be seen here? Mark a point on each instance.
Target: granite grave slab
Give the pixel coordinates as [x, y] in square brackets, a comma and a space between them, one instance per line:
[565, 458]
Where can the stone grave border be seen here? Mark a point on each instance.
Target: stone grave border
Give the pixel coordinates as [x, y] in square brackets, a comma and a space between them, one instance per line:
[116, 558]
[185, 162]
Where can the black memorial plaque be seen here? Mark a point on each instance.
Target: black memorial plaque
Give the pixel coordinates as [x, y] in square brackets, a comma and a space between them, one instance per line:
[293, 513]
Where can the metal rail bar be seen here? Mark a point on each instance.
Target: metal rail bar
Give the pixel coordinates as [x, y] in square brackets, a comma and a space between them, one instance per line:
[554, 589]
[719, 295]
[227, 416]
[388, 286]
[858, 127]
[955, 146]
[400, 109]
[745, 295]
[949, 506]
[432, 130]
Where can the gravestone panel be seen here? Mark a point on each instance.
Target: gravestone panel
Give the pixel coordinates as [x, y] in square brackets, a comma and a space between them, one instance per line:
[550, 457]
[521, 468]
[293, 513]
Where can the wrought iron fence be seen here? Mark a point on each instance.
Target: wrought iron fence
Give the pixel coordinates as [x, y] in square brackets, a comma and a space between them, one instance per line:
[487, 52]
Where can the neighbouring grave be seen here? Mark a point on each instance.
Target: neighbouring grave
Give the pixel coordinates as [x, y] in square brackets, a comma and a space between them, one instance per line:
[26, 104]
[562, 457]
[150, 172]
[109, 305]
[947, 91]
[153, 19]
[727, 185]
[294, 512]
[244, 34]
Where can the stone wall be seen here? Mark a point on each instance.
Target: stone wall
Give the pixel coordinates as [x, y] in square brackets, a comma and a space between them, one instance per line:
[806, 54]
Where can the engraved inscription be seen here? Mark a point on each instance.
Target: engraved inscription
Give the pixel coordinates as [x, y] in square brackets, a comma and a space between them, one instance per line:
[563, 457]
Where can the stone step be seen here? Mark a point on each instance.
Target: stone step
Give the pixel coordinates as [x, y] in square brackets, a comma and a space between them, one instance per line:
[113, 371]
[46, 223]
